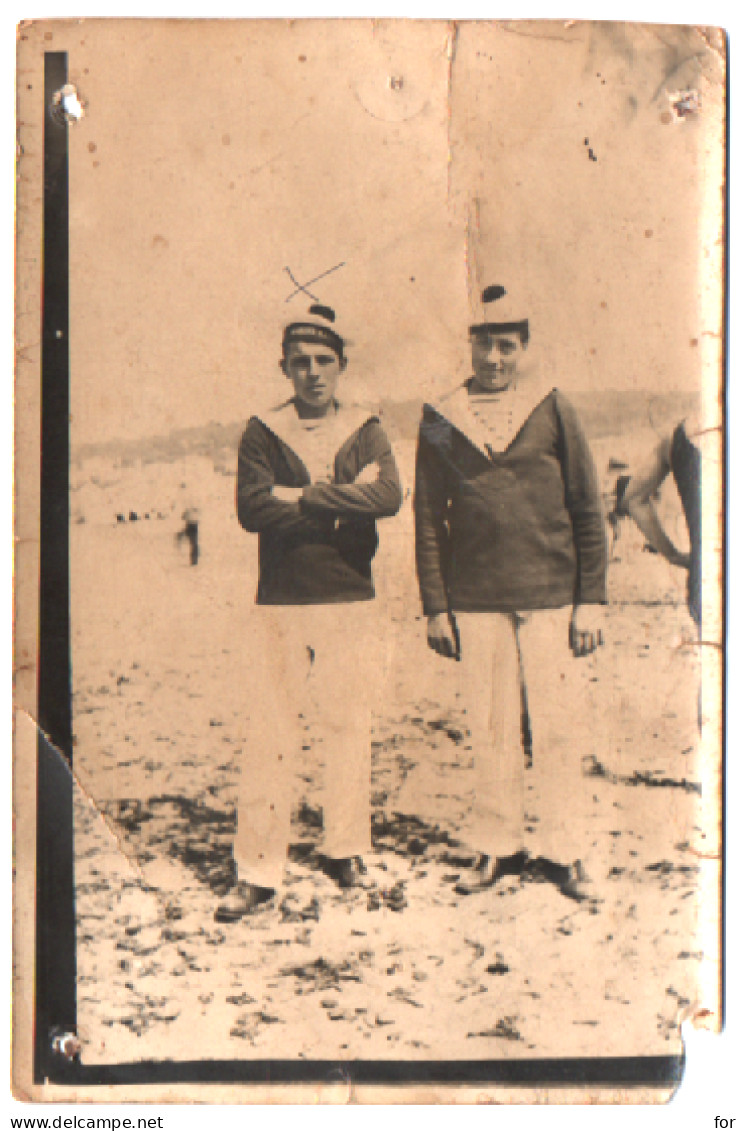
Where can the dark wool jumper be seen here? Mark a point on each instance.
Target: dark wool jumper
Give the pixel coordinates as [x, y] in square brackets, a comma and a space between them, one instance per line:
[514, 530]
[318, 550]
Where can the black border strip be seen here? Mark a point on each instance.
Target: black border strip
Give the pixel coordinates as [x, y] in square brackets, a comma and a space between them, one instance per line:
[55, 959]
[637, 1071]
[55, 972]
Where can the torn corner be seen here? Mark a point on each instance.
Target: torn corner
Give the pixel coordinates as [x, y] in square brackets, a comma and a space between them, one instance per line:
[697, 1018]
[63, 763]
[40, 732]
[705, 1019]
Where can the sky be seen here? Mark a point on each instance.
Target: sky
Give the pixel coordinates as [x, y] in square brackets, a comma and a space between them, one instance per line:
[413, 165]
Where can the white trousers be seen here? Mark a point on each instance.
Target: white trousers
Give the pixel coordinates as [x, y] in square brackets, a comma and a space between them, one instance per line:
[498, 650]
[317, 662]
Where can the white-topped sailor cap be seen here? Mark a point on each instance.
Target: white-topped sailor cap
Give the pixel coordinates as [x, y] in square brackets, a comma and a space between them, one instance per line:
[502, 312]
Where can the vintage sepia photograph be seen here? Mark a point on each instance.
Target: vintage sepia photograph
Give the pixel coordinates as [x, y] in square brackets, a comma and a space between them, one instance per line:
[381, 420]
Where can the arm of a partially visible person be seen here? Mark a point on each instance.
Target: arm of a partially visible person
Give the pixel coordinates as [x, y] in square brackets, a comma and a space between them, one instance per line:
[375, 492]
[637, 503]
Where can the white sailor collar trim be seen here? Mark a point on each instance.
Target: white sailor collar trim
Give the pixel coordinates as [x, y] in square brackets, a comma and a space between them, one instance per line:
[454, 407]
[283, 421]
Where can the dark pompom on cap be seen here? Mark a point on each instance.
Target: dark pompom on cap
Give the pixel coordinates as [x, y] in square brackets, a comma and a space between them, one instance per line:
[492, 293]
[322, 312]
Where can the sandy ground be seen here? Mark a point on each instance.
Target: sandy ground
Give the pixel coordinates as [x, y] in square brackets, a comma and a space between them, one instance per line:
[402, 967]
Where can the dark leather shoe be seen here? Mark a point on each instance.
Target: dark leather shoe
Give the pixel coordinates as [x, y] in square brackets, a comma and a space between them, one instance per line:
[543, 869]
[346, 872]
[571, 880]
[578, 885]
[490, 869]
[243, 899]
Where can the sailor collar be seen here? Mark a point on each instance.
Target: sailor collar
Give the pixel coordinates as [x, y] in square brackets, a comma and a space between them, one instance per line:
[458, 409]
[284, 422]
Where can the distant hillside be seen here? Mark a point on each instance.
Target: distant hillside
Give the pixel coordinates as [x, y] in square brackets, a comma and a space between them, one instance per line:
[212, 440]
[606, 412]
[613, 412]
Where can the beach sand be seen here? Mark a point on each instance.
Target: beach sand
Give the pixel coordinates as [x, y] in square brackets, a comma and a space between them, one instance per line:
[402, 967]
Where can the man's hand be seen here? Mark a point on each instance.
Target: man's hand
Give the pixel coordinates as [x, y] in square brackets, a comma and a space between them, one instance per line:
[586, 629]
[442, 636]
[287, 494]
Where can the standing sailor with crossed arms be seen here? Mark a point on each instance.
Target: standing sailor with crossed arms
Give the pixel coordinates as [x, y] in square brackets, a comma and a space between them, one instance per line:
[313, 478]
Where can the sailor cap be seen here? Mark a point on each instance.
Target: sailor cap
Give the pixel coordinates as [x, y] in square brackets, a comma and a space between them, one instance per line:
[504, 316]
[316, 328]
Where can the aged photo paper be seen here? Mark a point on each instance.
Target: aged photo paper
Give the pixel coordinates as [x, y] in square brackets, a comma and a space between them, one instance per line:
[369, 559]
